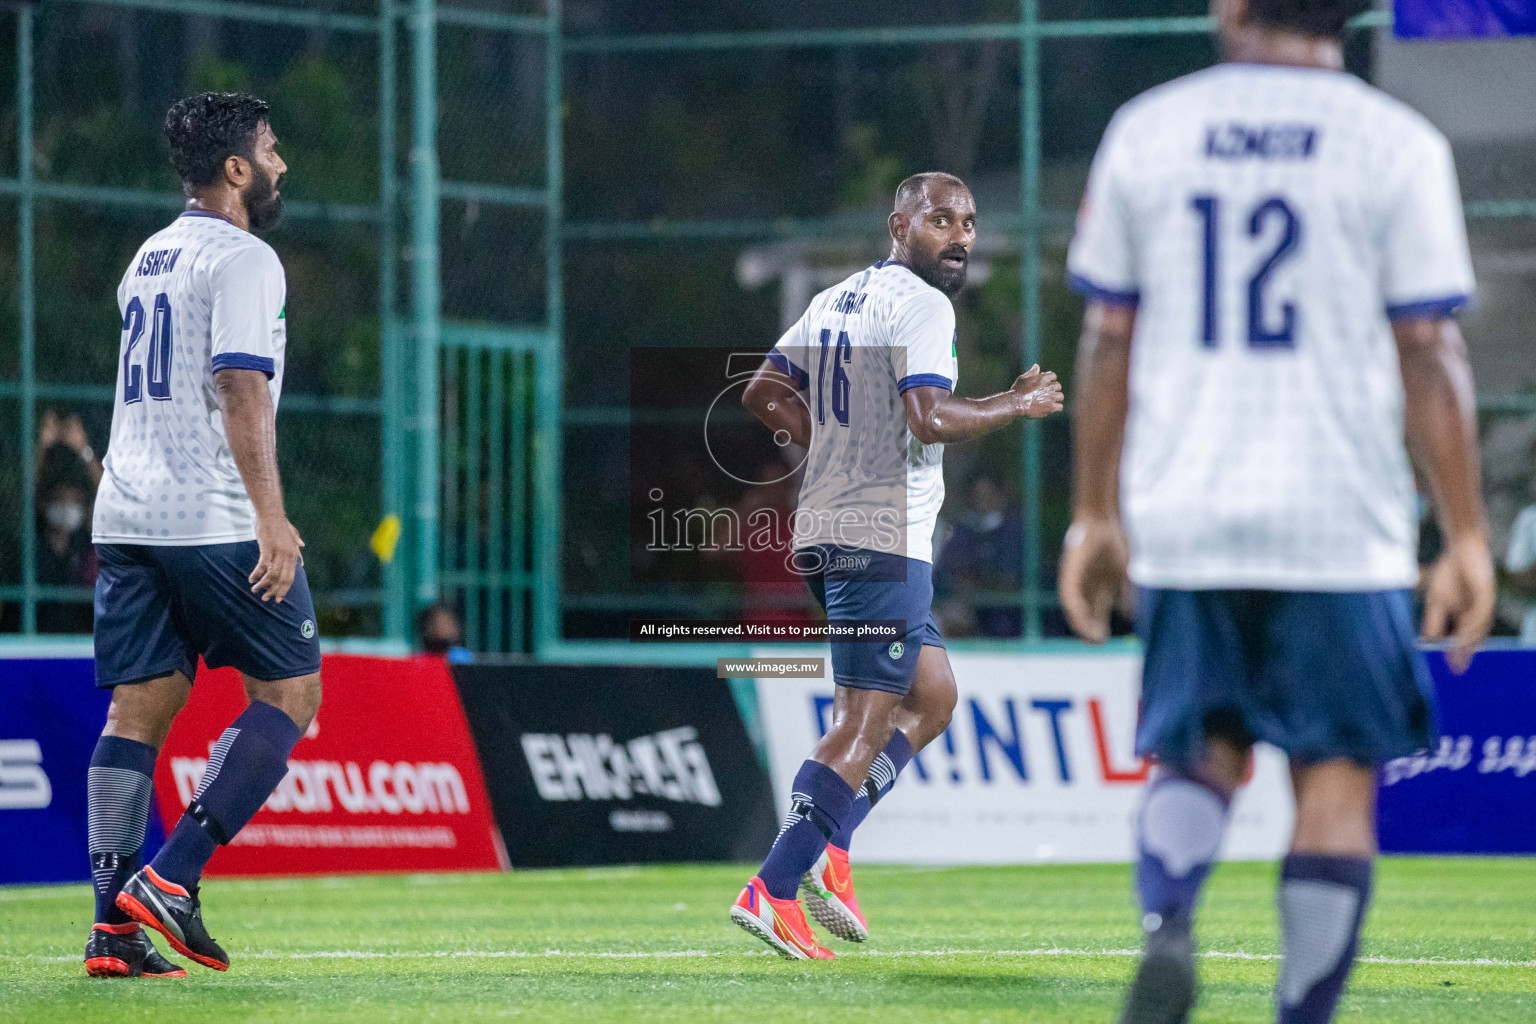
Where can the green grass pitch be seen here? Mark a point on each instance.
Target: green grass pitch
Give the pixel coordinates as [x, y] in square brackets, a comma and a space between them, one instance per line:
[1448, 941]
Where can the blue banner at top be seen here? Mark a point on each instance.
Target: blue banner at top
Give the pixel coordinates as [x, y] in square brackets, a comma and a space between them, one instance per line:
[1464, 19]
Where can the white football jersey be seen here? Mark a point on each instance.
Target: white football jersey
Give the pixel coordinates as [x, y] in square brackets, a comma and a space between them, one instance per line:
[857, 349]
[200, 296]
[1269, 223]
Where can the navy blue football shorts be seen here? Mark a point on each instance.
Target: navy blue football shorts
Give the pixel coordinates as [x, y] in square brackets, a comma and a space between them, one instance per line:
[854, 583]
[159, 608]
[1319, 675]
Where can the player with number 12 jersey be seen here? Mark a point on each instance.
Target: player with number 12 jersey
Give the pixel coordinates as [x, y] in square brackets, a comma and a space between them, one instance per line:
[1273, 253]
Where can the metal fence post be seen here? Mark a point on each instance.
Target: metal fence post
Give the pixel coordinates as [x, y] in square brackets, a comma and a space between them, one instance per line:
[27, 301]
[1029, 273]
[391, 426]
[426, 295]
[549, 374]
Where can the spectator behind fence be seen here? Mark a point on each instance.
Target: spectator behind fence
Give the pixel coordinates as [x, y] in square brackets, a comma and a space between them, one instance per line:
[65, 477]
[438, 633]
[1520, 567]
[982, 554]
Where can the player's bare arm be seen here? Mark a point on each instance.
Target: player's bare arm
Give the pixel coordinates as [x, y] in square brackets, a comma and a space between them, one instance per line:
[1441, 422]
[772, 398]
[250, 424]
[935, 416]
[1094, 561]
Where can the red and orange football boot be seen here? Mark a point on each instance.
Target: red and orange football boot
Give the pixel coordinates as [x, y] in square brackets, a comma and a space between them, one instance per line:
[828, 892]
[124, 951]
[174, 912]
[780, 923]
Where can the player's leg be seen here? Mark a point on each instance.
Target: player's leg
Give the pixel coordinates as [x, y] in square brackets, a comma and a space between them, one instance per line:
[872, 679]
[1325, 886]
[1355, 694]
[141, 658]
[1195, 667]
[823, 794]
[246, 764]
[273, 645]
[921, 717]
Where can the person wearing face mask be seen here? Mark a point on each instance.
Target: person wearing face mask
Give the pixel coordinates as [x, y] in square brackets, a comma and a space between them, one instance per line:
[65, 556]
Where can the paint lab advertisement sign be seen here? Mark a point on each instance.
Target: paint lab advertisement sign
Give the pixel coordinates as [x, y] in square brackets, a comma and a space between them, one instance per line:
[1037, 766]
[386, 778]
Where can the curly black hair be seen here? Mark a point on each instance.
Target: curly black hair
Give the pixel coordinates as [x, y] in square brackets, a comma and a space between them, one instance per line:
[206, 129]
[1323, 18]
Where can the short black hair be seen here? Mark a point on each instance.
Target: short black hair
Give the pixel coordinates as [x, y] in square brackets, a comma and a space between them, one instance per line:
[207, 129]
[1322, 18]
[913, 187]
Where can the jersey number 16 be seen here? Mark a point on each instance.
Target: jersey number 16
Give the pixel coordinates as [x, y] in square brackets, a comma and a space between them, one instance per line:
[158, 359]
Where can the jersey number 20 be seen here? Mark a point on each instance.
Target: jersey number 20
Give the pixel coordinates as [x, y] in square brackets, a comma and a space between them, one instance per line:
[1264, 329]
[158, 360]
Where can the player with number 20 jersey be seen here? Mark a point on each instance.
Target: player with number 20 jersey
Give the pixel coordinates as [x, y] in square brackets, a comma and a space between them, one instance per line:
[198, 560]
[200, 296]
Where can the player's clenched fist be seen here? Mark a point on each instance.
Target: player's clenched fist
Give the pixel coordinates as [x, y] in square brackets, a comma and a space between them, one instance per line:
[1037, 393]
[280, 559]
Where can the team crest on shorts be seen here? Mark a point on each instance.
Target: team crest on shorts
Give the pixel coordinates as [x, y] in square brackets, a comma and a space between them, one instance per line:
[895, 651]
[307, 630]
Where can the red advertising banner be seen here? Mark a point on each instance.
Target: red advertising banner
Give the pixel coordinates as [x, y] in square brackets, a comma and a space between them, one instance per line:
[386, 778]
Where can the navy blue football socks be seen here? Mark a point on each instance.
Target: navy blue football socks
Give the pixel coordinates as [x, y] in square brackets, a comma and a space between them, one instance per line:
[817, 808]
[1177, 835]
[882, 776]
[1322, 904]
[245, 766]
[117, 812]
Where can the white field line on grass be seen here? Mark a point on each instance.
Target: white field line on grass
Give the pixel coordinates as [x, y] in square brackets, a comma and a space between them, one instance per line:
[515, 954]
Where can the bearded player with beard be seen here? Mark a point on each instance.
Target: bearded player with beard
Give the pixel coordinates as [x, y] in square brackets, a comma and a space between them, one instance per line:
[864, 381]
[197, 556]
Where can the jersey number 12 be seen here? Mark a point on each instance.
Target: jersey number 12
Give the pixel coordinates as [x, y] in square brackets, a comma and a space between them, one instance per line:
[158, 359]
[1264, 329]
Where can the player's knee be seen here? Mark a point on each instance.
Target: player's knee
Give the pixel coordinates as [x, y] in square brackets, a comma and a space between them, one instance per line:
[298, 698]
[144, 711]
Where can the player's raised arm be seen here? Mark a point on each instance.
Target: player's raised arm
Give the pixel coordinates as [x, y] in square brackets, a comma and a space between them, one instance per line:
[1440, 415]
[250, 424]
[935, 416]
[1094, 561]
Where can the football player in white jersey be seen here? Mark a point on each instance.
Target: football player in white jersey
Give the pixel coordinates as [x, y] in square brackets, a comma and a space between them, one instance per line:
[197, 556]
[1273, 253]
[864, 381]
